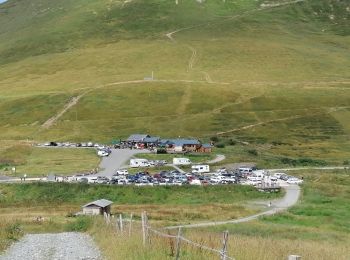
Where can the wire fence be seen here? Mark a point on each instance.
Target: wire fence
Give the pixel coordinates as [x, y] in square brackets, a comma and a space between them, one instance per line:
[126, 226]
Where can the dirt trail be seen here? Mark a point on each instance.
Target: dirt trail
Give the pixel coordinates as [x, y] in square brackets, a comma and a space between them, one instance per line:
[71, 103]
[185, 101]
[51, 121]
[330, 110]
[193, 57]
[290, 199]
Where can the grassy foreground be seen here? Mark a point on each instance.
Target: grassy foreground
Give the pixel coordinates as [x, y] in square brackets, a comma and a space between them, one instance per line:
[21, 204]
[35, 161]
[317, 228]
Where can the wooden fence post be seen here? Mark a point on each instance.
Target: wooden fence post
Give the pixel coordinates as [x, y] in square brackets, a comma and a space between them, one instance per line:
[224, 245]
[121, 223]
[178, 241]
[148, 239]
[130, 224]
[143, 228]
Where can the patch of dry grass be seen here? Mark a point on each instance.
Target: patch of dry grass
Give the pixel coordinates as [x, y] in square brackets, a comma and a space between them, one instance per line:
[115, 245]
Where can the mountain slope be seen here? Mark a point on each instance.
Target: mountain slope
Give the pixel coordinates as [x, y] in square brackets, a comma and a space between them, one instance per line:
[279, 68]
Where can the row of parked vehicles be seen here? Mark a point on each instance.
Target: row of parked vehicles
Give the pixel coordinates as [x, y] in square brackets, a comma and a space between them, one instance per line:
[122, 177]
[222, 176]
[69, 144]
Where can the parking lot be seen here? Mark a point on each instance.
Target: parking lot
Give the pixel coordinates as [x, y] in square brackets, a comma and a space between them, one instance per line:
[115, 166]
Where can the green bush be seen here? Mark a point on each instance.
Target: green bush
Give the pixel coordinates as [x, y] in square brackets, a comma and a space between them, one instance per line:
[161, 151]
[303, 162]
[81, 224]
[253, 152]
[214, 139]
[232, 142]
[14, 231]
[220, 145]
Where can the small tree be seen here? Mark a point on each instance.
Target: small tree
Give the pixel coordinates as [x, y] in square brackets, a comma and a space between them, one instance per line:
[220, 145]
[214, 139]
[253, 152]
[232, 142]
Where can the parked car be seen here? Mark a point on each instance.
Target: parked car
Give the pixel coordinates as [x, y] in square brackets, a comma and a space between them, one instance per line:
[102, 180]
[294, 181]
[122, 172]
[102, 153]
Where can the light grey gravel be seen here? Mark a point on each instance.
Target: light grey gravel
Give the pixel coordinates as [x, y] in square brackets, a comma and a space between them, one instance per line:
[116, 160]
[61, 246]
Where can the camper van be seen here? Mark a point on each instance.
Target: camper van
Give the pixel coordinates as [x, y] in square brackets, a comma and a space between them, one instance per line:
[200, 169]
[245, 170]
[135, 163]
[181, 161]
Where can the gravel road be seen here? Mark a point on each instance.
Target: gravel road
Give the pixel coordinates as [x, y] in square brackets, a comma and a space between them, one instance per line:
[218, 158]
[290, 198]
[61, 246]
[116, 160]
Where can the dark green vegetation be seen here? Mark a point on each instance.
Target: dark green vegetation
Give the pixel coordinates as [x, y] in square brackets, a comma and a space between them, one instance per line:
[323, 212]
[45, 194]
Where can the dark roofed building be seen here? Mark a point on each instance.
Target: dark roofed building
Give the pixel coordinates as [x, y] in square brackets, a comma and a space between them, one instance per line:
[205, 148]
[98, 207]
[151, 139]
[137, 138]
[182, 145]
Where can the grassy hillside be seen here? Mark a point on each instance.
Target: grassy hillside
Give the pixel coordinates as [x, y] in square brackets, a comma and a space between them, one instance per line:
[282, 71]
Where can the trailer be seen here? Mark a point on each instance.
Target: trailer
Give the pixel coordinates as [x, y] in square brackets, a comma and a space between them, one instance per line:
[135, 163]
[200, 169]
[181, 161]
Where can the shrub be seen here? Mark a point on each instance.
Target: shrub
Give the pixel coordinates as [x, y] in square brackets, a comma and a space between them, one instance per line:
[232, 142]
[303, 161]
[161, 151]
[346, 162]
[14, 231]
[253, 152]
[82, 223]
[220, 145]
[214, 139]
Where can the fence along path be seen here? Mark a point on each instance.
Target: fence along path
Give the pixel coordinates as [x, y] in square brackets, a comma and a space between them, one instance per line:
[123, 228]
[126, 225]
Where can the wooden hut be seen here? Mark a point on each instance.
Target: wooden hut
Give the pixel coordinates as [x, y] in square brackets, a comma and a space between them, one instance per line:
[98, 207]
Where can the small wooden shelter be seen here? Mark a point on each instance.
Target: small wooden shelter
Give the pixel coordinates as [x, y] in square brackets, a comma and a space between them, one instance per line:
[98, 207]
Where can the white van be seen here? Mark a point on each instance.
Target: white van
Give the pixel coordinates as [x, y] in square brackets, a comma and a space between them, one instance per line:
[181, 161]
[135, 163]
[245, 169]
[200, 169]
[91, 179]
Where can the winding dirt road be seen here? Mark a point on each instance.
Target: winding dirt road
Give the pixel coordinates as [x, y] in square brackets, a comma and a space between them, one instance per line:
[290, 199]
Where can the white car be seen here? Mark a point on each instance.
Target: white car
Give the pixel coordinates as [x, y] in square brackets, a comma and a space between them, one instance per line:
[294, 181]
[122, 172]
[229, 179]
[279, 174]
[195, 182]
[102, 153]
